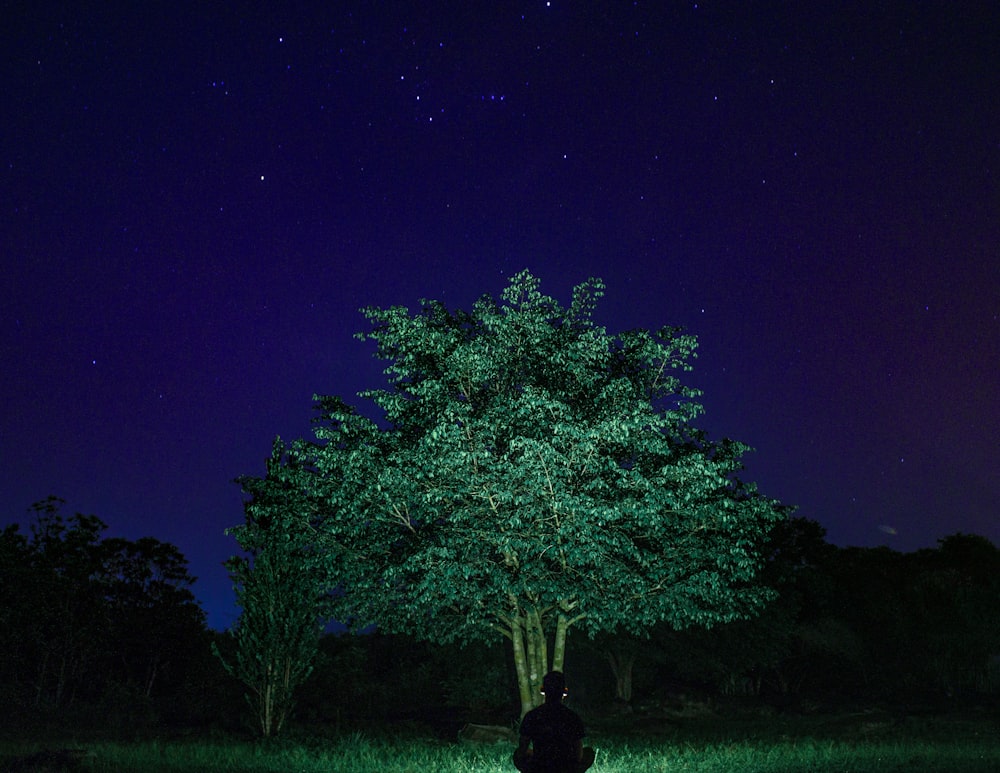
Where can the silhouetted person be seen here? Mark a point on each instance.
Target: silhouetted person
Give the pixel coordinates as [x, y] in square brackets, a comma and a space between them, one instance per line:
[552, 734]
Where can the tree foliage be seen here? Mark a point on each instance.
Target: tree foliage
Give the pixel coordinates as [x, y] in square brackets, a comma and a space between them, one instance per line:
[530, 473]
[87, 620]
[280, 586]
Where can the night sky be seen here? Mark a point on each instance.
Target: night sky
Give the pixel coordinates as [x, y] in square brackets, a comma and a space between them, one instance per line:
[196, 203]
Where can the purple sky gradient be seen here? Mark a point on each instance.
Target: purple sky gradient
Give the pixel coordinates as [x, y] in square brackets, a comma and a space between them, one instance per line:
[197, 201]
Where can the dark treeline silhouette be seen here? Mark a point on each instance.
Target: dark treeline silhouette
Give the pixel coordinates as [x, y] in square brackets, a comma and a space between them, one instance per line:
[98, 631]
[849, 627]
[856, 624]
[106, 631]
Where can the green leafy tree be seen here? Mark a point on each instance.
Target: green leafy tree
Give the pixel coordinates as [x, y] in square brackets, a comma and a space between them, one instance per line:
[280, 586]
[531, 473]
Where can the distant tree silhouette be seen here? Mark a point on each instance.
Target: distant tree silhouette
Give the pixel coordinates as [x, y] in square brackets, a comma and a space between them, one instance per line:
[154, 618]
[90, 620]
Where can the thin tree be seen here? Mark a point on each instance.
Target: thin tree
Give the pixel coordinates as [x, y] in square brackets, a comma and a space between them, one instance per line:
[281, 591]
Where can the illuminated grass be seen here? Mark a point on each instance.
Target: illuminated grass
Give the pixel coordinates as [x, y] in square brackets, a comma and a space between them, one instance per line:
[851, 743]
[360, 754]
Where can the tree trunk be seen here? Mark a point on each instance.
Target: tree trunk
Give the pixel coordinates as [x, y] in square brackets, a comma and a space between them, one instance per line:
[621, 658]
[266, 706]
[521, 664]
[42, 677]
[559, 647]
[531, 653]
[151, 672]
[530, 657]
[537, 649]
[61, 681]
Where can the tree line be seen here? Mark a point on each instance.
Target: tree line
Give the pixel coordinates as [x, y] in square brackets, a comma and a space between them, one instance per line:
[523, 475]
[104, 633]
[851, 624]
[524, 479]
[94, 622]
[847, 626]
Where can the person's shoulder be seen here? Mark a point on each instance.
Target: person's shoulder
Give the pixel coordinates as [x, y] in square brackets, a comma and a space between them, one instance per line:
[530, 717]
[571, 716]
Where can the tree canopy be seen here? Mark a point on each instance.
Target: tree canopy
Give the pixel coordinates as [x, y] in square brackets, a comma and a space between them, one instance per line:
[530, 472]
[88, 620]
[280, 586]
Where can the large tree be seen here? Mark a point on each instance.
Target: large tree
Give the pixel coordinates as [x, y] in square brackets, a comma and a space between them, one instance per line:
[529, 473]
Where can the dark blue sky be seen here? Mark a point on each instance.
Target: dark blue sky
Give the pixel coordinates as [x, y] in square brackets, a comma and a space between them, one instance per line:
[196, 201]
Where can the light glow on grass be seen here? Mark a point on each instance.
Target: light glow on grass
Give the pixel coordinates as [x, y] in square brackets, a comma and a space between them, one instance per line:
[358, 753]
[856, 742]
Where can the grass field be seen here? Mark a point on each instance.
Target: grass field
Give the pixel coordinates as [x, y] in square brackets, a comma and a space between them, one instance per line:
[857, 743]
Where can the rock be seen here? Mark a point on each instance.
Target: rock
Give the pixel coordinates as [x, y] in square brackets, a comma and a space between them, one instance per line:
[487, 734]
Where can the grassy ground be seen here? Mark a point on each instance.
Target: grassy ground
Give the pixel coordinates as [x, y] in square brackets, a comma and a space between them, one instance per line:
[855, 743]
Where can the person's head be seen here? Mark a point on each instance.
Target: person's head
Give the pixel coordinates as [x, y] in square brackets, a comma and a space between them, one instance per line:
[554, 686]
